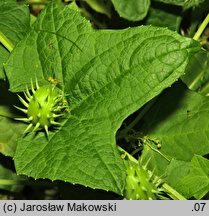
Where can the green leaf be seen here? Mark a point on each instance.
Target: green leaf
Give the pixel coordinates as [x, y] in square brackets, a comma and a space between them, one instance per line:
[14, 20]
[196, 183]
[99, 6]
[184, 3]
[132, 10]
[162, 16]
[10, 129]
[197, 73]
[4, 56]
[176, 170]
[154, 160]
[107, 75]
[14, 24]
[181, 127]
[9, 133]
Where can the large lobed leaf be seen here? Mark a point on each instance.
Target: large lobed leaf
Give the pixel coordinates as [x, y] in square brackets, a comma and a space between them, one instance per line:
[107, 75]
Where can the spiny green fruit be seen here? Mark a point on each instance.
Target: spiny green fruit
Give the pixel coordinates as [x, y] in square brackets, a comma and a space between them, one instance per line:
[43, 107]
[140, 184]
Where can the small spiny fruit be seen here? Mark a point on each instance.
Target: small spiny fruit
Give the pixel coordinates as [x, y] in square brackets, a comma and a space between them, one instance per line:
[43, 107]
[140, 184]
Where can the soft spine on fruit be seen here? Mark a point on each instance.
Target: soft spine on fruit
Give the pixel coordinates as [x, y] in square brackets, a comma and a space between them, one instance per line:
[140, 183]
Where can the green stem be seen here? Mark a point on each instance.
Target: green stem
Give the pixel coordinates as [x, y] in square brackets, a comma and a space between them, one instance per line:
[6, 42]
[155, 150]
[201, 28]
[204, 89]
[131, 158]
[9, 182]
[173, 193]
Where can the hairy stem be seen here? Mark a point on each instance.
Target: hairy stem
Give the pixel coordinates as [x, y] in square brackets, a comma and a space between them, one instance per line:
[201, 28]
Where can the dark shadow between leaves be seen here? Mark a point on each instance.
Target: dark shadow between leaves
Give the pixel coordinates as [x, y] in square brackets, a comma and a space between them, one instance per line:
[166, 104]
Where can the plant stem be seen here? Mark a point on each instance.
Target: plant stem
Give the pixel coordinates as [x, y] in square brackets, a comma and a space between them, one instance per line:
[155, 150]
[131, 158]
[201, 28]
[9, 182]
[6, 42]
[204, 89]
[173, 193]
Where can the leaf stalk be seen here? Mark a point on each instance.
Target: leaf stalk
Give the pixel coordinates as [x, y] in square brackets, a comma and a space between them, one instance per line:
[201, 28]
